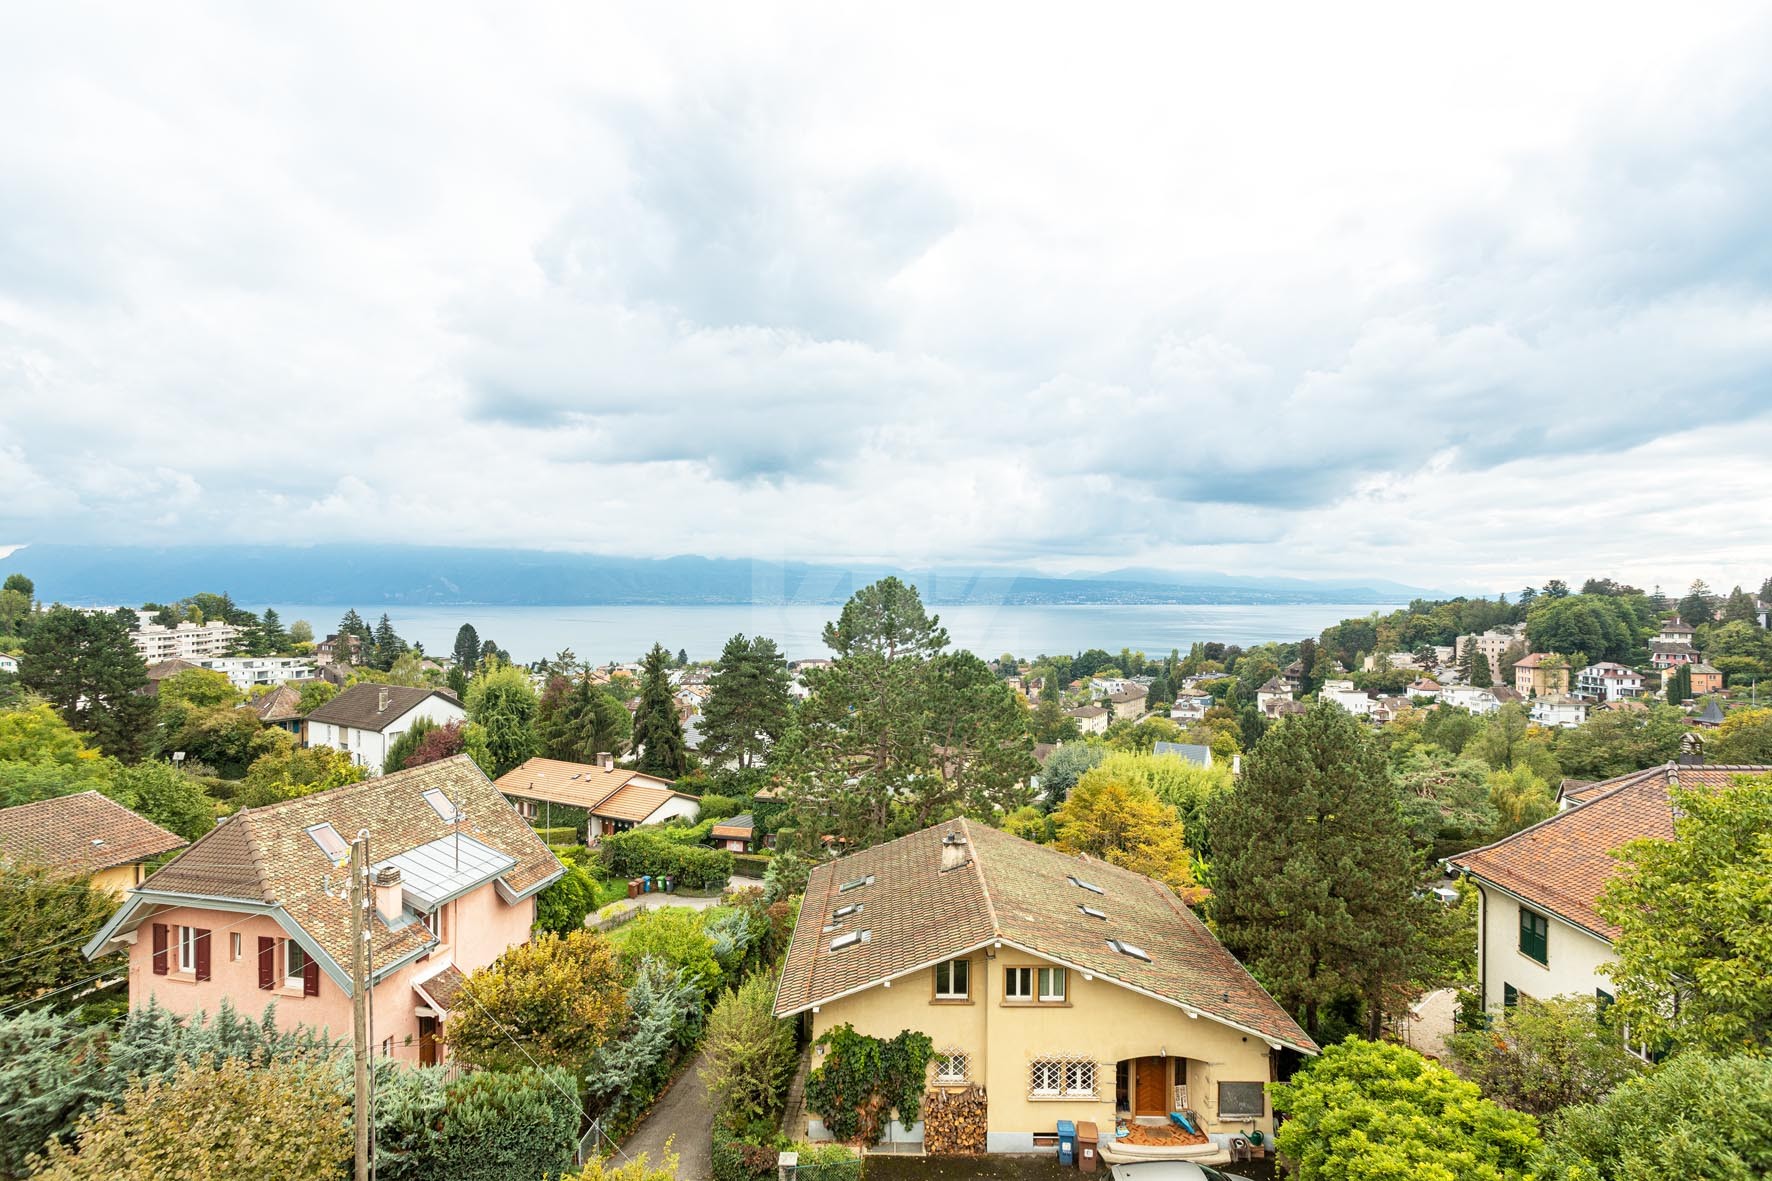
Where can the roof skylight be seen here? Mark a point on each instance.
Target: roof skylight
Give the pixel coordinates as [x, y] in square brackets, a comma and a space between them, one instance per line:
[857, 884]
[1091, 911]
[1133, 950]
[851, 939]
[442, 805]
[330, 842]
[843, 912]
[1089, 886]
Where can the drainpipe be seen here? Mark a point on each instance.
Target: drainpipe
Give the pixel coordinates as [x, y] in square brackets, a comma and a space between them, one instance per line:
[1482, 945]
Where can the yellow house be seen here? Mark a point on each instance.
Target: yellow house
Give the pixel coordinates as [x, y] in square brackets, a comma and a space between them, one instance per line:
[86, 834]
[1541, 674]
[1058, 987]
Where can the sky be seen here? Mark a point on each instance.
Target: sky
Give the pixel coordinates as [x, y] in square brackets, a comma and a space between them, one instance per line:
[1450, 297]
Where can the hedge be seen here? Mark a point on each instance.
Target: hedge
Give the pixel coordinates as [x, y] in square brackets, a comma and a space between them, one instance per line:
[750, 865]
[737, 1159]
[638, 852]
[558, 836]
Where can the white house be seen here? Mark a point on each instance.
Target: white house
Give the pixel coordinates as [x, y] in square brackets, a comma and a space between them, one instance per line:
[1342, 693]
[1539, 932]
[1190, 705]
[614, 799]
[1561, 711]
[187, 641]
[1607, 681]
[1270, 694]
[364, 720]
[246, 672]
[1469, 697]
[1091, 719]
[8, 664]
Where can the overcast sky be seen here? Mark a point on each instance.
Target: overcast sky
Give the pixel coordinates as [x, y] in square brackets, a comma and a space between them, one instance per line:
[1457, 296]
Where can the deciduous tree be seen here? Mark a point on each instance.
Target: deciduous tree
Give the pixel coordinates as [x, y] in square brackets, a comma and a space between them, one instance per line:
[750, 1053]
[502, 702]
[1544, 1055]
[1121, 821]
[552, 1000]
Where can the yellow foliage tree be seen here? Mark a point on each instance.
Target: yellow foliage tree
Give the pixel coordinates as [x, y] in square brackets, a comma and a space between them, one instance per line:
[551, 1001]
[1124, 823]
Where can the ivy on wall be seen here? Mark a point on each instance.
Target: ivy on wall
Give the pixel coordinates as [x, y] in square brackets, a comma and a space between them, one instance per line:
[863, 1080]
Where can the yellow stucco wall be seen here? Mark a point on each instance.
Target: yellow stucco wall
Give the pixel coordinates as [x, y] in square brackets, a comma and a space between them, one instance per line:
[118, 878]
[1101, 1021]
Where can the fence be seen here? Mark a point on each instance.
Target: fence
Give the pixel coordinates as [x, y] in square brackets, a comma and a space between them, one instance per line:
[831, 1167]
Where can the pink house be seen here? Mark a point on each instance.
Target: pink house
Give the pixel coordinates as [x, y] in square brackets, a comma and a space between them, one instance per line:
[257, 910]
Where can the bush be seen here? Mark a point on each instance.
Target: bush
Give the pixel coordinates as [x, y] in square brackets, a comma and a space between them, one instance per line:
[716, 807]
[562, 907]
[738, 1159]
[644, 851]
[750, 1053]
[500, 1125]
[675, 936]
[750, 865]
[663, 1019]
[558, 837]
[1542, 1056]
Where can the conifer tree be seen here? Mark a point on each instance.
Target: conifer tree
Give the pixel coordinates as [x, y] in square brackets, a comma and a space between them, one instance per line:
[87, 667]
[658, 731]
[748, 706]
[467, 648]
[1313, 874]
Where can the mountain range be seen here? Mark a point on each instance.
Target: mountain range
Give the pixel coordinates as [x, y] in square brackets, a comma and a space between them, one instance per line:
[436, 575]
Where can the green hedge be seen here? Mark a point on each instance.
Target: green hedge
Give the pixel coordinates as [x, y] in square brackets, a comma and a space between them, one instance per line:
[496, 1126]
[737, 1159]
[558, 836]
[750, 865]
[632, 854]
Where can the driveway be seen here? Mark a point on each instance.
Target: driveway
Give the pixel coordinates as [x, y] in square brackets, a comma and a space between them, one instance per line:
[685, 1115]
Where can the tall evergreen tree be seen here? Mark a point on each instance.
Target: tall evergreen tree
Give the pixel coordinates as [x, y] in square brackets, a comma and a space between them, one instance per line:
[1679, 685]
[748, 706]
[271, 633]
[1476, 668]
[658, 731]
[1695, 608]
[467, 648]
[87, 667]
[388, 644]
[1313, 874]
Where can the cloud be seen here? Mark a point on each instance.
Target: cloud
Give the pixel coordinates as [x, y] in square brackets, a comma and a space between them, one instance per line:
[1388, 297]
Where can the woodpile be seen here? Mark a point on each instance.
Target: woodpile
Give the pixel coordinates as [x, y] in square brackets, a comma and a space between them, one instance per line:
[954, 1122]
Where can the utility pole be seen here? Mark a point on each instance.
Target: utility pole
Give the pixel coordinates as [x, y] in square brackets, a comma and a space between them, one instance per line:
[360, 998]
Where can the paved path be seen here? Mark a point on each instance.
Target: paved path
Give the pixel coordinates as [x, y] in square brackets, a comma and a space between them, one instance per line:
[685, 1114]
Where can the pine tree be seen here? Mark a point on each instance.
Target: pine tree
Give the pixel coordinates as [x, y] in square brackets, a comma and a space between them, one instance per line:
[1695, 608]
[270, 629]
[748, 706]
[388, 644]
[87, 667]
[467, 648]
[1313, 875]
[1679, 685]
[352, 625]
[682, 658]
[658, 731]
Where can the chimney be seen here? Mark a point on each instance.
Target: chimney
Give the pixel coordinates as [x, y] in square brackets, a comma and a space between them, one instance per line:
[605, 760]
[1691, 749]
[955, 852]
[381, 705]
[389, 900]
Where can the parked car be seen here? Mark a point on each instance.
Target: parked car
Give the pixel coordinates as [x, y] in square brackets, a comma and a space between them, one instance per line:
[1170, 1170]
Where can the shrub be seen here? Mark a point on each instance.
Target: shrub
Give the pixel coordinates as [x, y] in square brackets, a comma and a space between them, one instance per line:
[750, 1053]
[717, 807]
[786, 876]
[750, 865]
[1367, 1109]
[675, 936]
[663, 1018]
[500, 1125]
[637, 1168]
[642, 851]
[556, 999]
[562, 907]
[1542, 1056]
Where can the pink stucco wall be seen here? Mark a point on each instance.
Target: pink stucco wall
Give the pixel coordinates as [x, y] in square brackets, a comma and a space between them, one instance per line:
[477, 928]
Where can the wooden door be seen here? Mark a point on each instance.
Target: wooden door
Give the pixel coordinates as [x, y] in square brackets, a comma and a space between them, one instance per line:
[428, 1054]
[1150, 1088]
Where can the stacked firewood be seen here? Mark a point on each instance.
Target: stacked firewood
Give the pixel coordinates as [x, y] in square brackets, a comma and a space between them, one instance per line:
[954, 1121]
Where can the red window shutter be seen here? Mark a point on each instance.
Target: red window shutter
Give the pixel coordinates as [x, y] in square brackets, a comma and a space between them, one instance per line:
[159, 949]
[202, 949]
[310, 977]
[267, 962]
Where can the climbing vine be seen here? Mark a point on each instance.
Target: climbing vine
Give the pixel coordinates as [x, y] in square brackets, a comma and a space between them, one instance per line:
[863, 1079]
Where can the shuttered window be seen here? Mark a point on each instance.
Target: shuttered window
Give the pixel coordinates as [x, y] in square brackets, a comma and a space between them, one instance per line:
[1534, 936]
[267, 962]
[200, 952]
[159, 949]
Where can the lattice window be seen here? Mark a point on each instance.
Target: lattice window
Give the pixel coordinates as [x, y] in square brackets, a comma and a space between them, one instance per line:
[1068, 1077]
[952, 1067]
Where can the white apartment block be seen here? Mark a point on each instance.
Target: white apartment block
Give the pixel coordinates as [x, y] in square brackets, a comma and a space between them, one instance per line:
[247, 672]
[1607, 681]
[187, 641]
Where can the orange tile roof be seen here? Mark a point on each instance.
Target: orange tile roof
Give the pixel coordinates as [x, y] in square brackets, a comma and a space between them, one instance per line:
[1018, 892]
[576, 785]
[1561, 865]
[81, 834]
[635, 802]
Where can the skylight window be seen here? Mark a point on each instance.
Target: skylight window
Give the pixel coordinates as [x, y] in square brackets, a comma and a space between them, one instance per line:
[1133, 950]
[329, 841]
[851, 939]
[843, 912]
[1091, 911]
[442, 805]
[1089, 886]
[857, 884]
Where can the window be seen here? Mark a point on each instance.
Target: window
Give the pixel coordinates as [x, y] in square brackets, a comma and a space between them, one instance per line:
[1068, 1078]
[856, 884]
[952, 1067]
[1241, 1101]
[1092, 912]
[187, 949]
[295, 964]
[1603, 1000]
[843, 912]
[953, 980]
[849, 940]
[1018, 984]
[1089, 886]
[1052, 984]
[442, 805]
[234, 949]
[329, 841]
[1130, 949]
[1534, 936]
[1510, 996]
[433, 921]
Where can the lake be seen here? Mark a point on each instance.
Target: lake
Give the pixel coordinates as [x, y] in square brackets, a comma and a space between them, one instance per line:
[605, 634]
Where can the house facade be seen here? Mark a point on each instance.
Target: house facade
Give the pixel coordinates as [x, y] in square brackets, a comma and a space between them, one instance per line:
[257, 909]
[249, 672]
[1091, 719]
[84, 835]
[1491, 645]
[1541, 674]
[614, 799]
[1474, 698]
[1128, 702]
[1705, 678]
[1609, 681]
[1539, 932]
[186, 641]
[364, 720]
[1064, 987]
[1559, 711]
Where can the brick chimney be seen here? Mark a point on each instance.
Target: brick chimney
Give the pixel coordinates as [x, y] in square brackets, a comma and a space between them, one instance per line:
[605, 760]
[955, 851]
[389, 900]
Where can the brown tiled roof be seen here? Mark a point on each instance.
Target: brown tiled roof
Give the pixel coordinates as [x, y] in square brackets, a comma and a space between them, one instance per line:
[635, 801]
[1018, 892]
[265, 855]
[577, 785]
[81, 834]
[281, 704]
[1130, 693]
[169, 668]
[738, 827]
[359, 706]
[1086, 711]
[1561, 865]
[443, 987]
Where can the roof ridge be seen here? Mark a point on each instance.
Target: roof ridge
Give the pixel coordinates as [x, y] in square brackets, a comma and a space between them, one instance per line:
[984, 885]
[1628, 780]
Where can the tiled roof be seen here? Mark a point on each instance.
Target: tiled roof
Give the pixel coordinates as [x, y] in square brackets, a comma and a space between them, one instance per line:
[1018, 892]
[266, 855]
[443, 987]
[1532, 660]
[577, 785]
[360, 707]
[635, 802]
[740, 826]
[169, 668]
[1674, 649]
[81, 834]
[1702, 667]
[1562, 864]
[1086, 711]
[1130, 693]
[281, 704]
